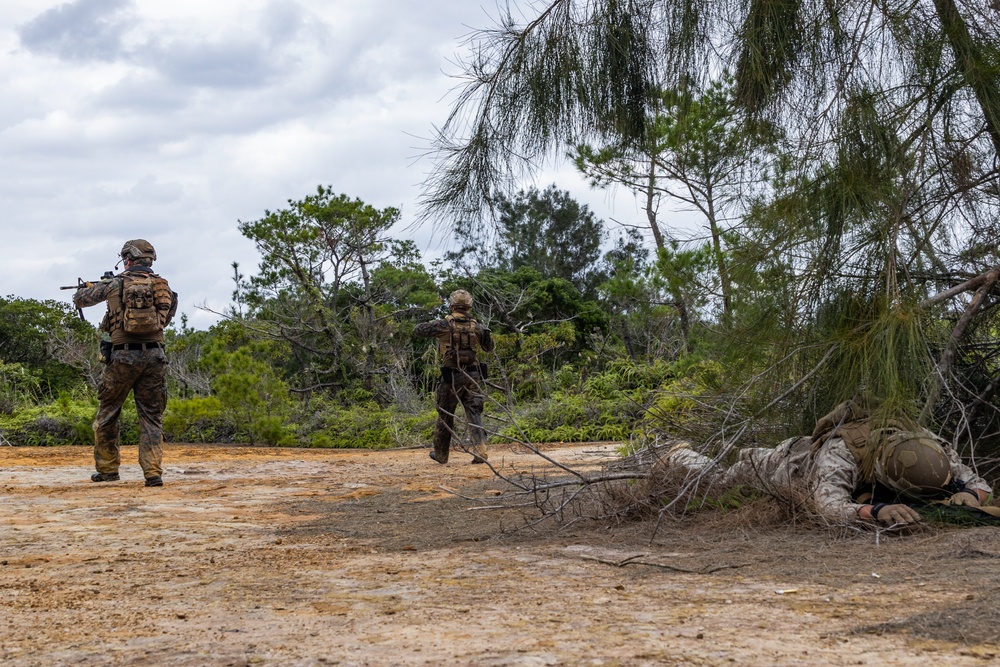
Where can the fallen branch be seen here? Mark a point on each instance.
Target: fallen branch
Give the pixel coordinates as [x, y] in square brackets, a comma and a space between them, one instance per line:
[499, 507]
[634, 560]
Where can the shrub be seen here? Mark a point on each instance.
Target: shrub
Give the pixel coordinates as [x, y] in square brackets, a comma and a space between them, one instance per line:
[363, 425]
[65, 421]
[196, 419]
[18, 386]
[576, 418]
[684, 405]
[272, 430]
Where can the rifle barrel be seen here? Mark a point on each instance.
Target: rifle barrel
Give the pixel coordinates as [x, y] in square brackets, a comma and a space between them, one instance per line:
[81, 283]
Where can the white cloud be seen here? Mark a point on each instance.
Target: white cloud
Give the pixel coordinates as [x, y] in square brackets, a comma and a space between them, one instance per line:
[83, 29]
[172, 120]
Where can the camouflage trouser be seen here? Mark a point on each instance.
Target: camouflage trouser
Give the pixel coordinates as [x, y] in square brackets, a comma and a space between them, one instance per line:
[144, 373]
[464, 386]
[767, 469]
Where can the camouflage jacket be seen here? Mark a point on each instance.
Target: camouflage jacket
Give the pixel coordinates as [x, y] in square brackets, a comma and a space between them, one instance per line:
[442, 329]
[109, 289]
[830, 478]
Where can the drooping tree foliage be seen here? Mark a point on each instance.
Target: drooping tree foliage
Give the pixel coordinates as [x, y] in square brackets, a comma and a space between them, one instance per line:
[882, 196]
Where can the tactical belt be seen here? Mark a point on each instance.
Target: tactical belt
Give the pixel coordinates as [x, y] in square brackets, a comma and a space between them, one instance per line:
[136, 346]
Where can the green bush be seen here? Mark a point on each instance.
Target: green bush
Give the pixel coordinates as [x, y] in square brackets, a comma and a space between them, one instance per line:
[273, 430]
[368, 426]
[681, 407]
[19, 386]
[576, 418]
[196, 419]
[624, 376]
[610, 406]
[65, 421]
[567, 377]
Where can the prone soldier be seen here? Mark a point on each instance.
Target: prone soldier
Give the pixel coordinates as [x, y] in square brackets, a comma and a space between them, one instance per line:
[853, 469]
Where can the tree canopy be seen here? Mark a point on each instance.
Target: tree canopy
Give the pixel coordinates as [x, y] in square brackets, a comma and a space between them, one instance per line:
[576, 72]
[547, 230]
[329, 285]
[864, 258]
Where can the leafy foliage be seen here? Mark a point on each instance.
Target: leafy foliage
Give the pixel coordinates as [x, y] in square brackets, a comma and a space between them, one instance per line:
[61, 422]
[331, 285]
[547, 231]
[607, 406]
[26, 327]
[195, 419]
[250, 395]
[18, 387]
[366, 425]
[698, 153]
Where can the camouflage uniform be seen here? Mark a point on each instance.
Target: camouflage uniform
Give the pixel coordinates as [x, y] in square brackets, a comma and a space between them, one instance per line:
[458, 383]
[828, 478]
[137, 364]
[144, 373]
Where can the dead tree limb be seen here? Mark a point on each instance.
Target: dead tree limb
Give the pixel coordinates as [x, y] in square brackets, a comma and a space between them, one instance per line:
[944, 364]
[967, 286]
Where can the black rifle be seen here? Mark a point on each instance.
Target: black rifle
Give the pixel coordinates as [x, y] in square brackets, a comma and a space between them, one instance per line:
[81, 283]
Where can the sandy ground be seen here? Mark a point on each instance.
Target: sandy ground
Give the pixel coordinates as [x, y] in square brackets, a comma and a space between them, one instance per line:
[318, 557]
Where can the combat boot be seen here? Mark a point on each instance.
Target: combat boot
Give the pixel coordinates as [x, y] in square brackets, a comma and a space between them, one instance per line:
[154, 481]
[479, 454]
[104, 477]
[438, 457]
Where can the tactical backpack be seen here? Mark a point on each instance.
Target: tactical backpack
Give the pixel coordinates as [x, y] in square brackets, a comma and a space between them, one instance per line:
[145, 300]
[852, 423]
[458, 348]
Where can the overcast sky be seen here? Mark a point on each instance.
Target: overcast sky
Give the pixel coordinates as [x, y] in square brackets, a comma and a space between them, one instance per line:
[171, 121]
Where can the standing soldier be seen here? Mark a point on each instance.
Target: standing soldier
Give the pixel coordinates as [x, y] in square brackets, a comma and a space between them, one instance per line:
[459, 339]
[140, 305]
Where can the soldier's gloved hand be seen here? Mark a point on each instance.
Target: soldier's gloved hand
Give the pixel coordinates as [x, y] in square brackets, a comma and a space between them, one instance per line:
[967, 498]
[891, 515]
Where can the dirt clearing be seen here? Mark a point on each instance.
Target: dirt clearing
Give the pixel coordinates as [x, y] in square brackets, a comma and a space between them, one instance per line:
[330, 557]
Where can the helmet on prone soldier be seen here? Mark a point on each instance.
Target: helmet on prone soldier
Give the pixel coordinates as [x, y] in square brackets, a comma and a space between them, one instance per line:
[914, 464]
[460, 300]
[137, 249]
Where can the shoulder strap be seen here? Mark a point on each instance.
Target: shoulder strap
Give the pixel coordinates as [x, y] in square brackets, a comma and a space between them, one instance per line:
[453, 349]
[118, 312]
[830, 423]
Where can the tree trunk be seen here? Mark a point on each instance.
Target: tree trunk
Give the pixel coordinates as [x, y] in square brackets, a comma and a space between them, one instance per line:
[650, 211]
[973, 65]
[720, 257]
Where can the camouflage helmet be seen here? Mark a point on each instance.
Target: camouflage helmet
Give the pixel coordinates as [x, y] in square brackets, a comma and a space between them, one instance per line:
[138, 249]
[460, 300]
[912, 463]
